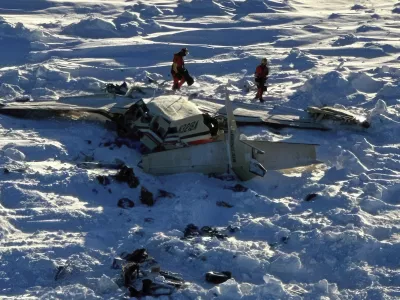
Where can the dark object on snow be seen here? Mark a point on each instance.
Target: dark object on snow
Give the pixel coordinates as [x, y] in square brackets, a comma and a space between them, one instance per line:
[192, 230]
[285, 239]
[130, 272]
[6, 171]
[172, 276]
[23, 99]
[126, 175]
[146, 197]
[62, 271]
[146, 287]
[103, 180]
[165, 194]
[233, 229]
[125, 203]
[237, 188]
[224, 204]
[310, 197]
[117, 89]
[143, 270]
[120, 141]
[209, 231]
[218, 277]
[117, 263]
[135, 293]
[225, 177]
[338, 114]
[189, 79]
[150, 288]
[138, 256]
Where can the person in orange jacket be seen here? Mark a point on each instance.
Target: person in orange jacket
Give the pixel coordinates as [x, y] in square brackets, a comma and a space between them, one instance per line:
[261, 76]
[178, 69]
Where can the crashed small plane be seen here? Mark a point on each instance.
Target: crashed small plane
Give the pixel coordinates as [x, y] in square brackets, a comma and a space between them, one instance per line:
[186, 136]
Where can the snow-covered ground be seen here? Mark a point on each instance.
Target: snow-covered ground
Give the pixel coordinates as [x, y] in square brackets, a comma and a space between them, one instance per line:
[344, 244]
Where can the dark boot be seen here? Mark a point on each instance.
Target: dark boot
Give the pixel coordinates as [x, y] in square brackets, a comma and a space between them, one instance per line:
[175, 86]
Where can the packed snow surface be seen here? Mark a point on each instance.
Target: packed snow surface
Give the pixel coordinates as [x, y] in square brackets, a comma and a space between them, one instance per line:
[342, 244]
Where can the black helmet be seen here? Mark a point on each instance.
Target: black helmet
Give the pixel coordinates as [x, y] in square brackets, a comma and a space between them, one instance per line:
[185, 51]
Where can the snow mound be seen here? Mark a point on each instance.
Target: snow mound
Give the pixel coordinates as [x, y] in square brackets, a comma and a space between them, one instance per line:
[105, 285]
[129, 23]
[43, 94]
[51, 74]
[127, 17]
[10, 91]
[389, 91]
[285, 264]
[350, 162]
[74, 291]
[5, 227]
[14, 154]
[87, 84]
[297, 59]
[145, 9]
[345, 40]
[145, 75]
[364, 83]
[17, 30]
[334, 16]
[92, 27]
[385, 71]
[366, 28]
[16, 77]
[262, 6]
[313, 28]
[380, 108]
[200, 7]
[329, 89]
[39, 46]
[358, 7]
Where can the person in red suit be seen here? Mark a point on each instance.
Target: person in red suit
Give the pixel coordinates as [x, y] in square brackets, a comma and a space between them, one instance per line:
[261, 76]
[178, 69]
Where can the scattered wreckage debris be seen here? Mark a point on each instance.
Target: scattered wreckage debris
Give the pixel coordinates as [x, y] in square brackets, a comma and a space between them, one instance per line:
[218, 277]
[165, 194]
[283, 240]
[125, 203]
[224, 177]
[311, 197]
[142, 275]
[124, 174]
[137, 256]
[238, 188]
[103, 180]
[337, 114]
[192, 231]
[224, 204]
[179, 137]
[63, 270]
[146, 197]
[127, 175]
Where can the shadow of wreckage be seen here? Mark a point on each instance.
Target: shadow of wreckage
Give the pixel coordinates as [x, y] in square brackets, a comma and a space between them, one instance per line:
[189, 139]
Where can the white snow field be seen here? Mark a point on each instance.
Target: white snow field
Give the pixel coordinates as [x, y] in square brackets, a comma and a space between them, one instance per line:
[344, 244]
